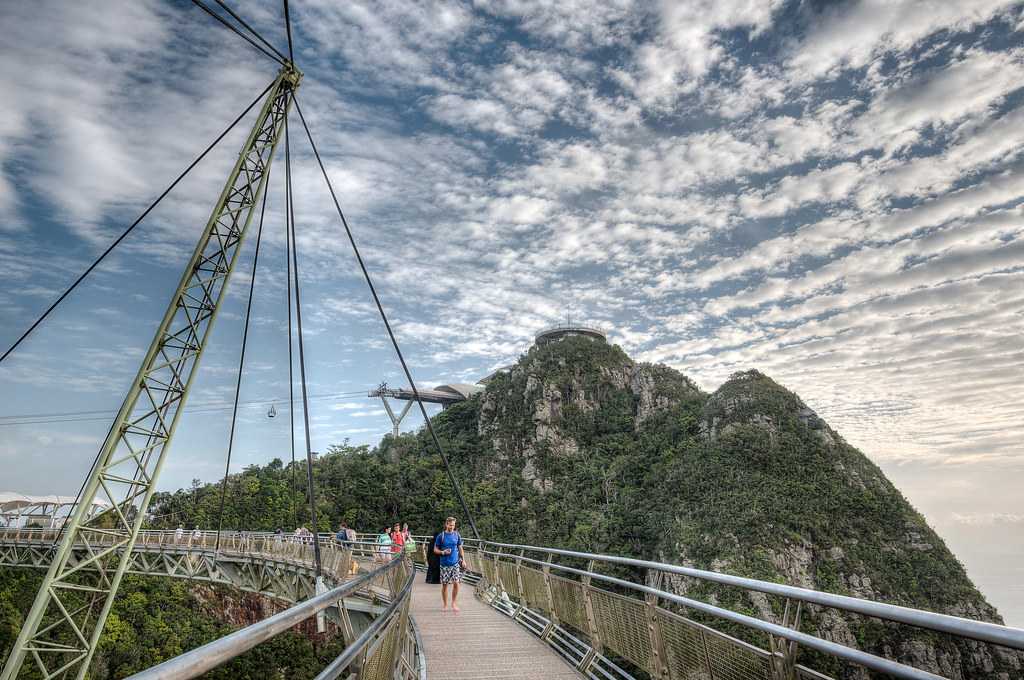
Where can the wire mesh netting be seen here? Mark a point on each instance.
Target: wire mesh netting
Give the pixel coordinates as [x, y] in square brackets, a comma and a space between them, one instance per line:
[535, 593]
[569, 606]
[622, 625]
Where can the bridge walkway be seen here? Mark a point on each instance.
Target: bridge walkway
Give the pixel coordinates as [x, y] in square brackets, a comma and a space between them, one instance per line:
[478, 643]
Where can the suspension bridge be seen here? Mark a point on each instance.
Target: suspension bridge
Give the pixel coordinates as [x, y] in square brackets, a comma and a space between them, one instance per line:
[536, 612]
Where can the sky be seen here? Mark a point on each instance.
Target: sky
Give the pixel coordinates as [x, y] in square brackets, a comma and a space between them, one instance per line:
[831, 193]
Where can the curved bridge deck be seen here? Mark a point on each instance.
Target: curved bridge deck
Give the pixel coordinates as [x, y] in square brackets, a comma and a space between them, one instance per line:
[478, 643]
[258, 563]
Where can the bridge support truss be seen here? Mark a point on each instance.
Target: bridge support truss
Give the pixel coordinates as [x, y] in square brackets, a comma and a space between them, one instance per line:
[63, 627]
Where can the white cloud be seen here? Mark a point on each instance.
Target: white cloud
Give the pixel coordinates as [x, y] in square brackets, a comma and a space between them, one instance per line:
[396, 44]
[987, 518]
[576, 24]
[850, 35]
[970, 85]
[688, 45]
[519, 209]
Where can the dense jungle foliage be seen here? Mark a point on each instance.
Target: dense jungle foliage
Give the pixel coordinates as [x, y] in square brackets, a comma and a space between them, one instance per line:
[154, 619]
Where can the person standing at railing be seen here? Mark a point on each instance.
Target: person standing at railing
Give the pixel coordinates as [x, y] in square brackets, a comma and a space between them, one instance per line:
[384, 546]
[197, 536]
[397, 539]
[453, 560]
[179, 534]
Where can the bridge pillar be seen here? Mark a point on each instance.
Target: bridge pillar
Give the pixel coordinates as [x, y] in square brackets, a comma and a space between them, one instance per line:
[396, 421]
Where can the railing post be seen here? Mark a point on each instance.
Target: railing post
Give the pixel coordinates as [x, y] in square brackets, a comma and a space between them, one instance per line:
[784, 651]
[497, 572]
[550, 598]
[659, 663]
[596, 647]
[546, 570]
[519, 580]
[707, 655]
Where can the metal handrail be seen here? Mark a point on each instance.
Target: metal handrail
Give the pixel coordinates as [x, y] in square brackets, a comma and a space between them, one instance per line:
[944, 623]
[207, 657]
[283, 548]
[865, 659]
[336, 667]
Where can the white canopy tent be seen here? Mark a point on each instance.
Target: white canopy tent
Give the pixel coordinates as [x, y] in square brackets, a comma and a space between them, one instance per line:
[18, 509]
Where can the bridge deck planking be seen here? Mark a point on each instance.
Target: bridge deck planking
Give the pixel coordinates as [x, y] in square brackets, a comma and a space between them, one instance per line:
[479, 643]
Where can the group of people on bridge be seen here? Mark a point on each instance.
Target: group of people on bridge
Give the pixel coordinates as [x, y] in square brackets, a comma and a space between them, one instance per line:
[393, 541]
[446, 558]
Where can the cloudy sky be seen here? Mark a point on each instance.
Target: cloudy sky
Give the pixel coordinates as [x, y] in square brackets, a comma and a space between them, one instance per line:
[829, 192]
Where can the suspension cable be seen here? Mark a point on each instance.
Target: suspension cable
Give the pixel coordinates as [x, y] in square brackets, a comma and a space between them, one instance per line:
[288, 25]
[291, 361]
[387, 325]
[134, 224]
[227, 24]
[302, 357]
[250, 29]
[201, 408]
[241, 364]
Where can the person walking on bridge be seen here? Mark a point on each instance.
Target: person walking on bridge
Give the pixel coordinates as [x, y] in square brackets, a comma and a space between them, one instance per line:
[453, 560]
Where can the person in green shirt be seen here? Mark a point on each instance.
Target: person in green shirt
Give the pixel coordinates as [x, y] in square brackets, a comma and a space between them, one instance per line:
[384, 546]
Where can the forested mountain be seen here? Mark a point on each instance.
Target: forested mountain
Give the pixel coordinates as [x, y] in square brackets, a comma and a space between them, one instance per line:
[579, 446]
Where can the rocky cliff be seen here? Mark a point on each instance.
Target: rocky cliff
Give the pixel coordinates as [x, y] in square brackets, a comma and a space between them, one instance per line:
[588, 448]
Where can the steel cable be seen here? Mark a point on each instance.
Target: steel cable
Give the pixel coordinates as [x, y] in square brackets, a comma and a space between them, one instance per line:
[204, 407]
[241, 364]
[302, 356]
[243, 36]
[387, 325]
[288, 25]
[291, 361]
[250, 29]
[134, 224]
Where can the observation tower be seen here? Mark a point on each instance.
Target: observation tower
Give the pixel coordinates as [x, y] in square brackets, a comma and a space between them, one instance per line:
[561, 331]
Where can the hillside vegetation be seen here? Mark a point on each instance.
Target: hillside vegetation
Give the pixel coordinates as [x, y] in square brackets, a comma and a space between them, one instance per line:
[155, 619]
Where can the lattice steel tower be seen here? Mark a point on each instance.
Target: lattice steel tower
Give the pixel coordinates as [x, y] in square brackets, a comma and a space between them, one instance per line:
[63, 627]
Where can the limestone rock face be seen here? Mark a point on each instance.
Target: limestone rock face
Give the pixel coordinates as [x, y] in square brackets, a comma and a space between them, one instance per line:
[530, 415]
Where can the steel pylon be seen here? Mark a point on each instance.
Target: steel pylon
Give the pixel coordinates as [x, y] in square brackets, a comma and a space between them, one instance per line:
[63, 627]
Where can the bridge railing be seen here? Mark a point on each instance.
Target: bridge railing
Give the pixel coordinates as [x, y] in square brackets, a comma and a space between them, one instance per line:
[653, 630]
[386, 650]
[336, 559]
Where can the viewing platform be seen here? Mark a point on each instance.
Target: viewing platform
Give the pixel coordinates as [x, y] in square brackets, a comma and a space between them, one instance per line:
[555, 333]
